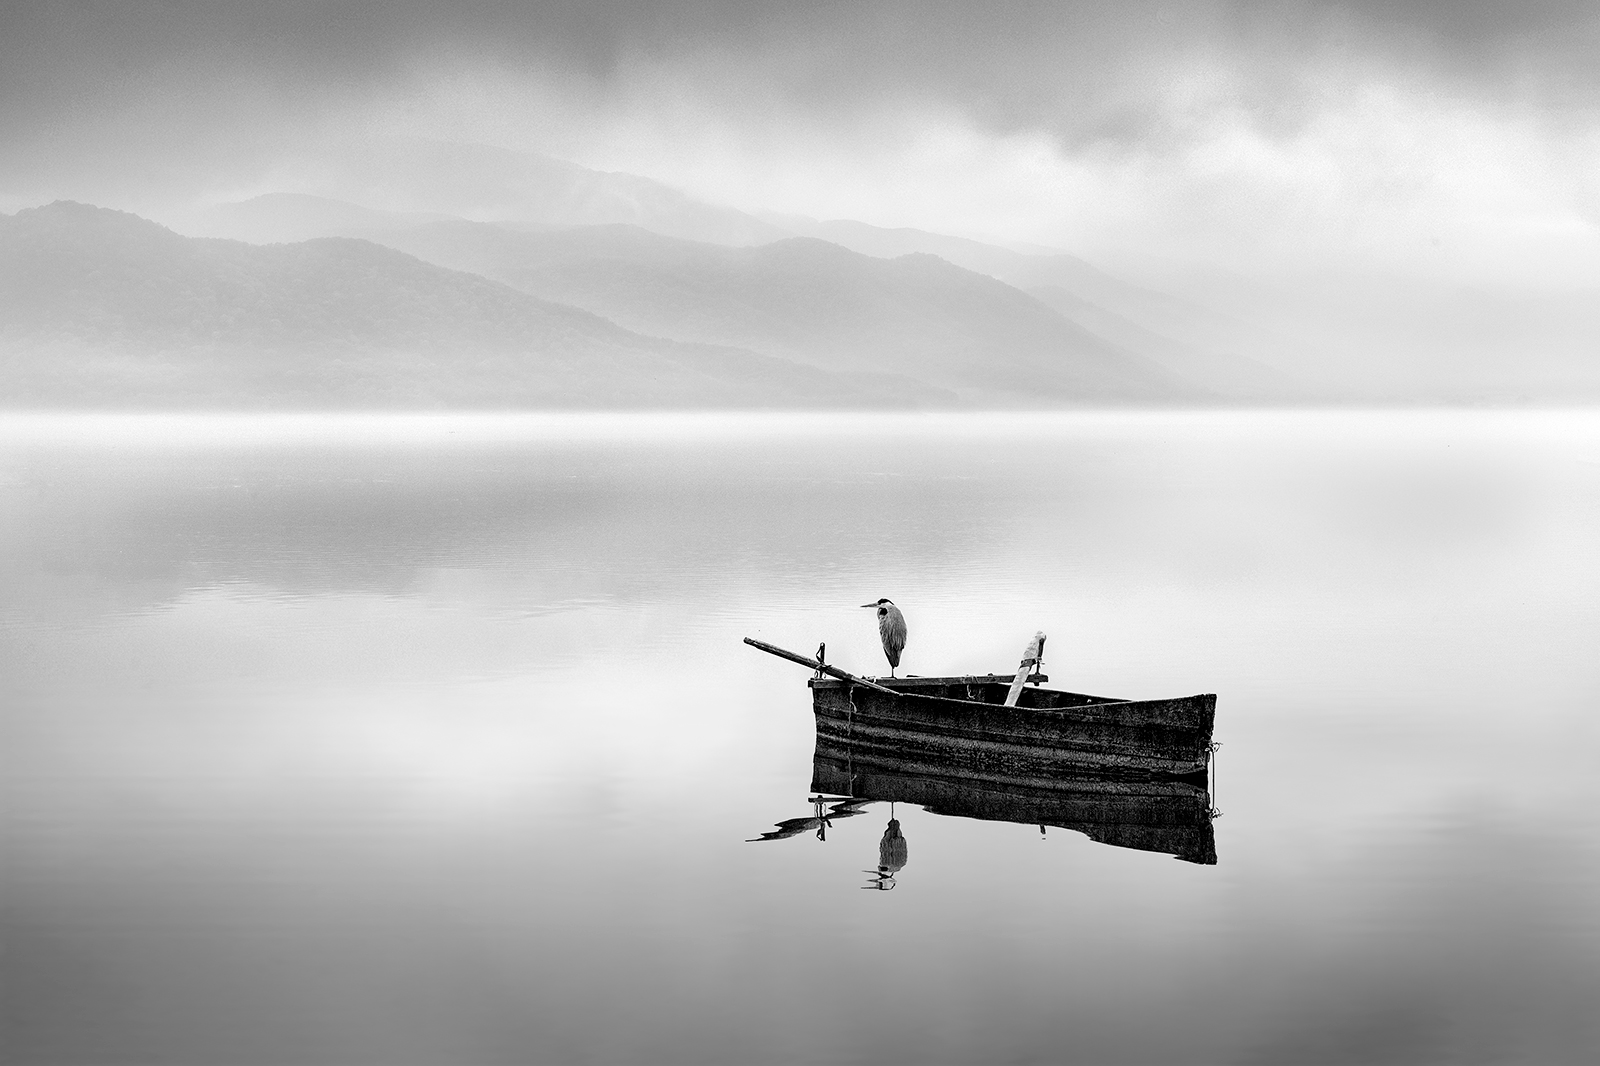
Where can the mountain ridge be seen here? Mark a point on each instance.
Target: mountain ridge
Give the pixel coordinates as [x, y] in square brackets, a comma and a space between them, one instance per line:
[815, 301]
[1146, 325]
[105, 306]
[412, 175]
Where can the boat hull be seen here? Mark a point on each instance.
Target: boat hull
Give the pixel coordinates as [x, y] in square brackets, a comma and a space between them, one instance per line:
[961, 723]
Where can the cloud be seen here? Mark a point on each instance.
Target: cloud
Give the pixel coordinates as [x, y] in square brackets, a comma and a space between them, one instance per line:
[1228, 126]
[1084, 72]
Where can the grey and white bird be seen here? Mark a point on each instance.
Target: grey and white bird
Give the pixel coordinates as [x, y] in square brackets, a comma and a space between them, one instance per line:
[891, 630]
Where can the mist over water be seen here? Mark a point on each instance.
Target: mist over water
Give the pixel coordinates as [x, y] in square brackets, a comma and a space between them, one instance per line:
[432, 739]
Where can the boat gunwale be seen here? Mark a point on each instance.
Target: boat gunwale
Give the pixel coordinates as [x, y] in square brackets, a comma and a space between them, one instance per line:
[829, 683]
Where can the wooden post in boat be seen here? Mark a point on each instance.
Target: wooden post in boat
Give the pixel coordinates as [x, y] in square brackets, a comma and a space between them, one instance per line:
[1030, 661]
[832, 671]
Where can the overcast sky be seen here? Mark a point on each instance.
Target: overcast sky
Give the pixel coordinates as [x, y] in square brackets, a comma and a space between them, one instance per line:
[1461, 138]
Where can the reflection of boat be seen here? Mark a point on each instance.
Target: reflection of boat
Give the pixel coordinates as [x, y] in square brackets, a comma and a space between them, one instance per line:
[820, 821]
[1166, 815]
[994, 724]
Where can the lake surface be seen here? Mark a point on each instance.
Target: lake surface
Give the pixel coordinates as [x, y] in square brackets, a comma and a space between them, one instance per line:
[433, 740]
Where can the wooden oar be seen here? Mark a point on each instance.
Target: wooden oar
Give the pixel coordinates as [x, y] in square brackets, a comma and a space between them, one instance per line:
[831, 671]
[1030, 662]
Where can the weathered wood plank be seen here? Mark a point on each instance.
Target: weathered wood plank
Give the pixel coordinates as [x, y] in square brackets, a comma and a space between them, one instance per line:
[1159, 736]
[833, 671]
[1030, 659]
[985, 755]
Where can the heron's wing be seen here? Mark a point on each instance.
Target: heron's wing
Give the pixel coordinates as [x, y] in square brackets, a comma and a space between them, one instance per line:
[892, 628]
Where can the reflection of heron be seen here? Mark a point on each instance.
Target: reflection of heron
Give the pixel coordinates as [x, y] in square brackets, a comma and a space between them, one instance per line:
[891, 855]
[891, 630]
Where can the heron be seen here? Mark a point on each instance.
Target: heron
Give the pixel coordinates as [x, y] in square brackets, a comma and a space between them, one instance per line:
[891, 630]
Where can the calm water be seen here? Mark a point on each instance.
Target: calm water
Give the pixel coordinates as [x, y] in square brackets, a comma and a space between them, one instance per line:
[414, 741]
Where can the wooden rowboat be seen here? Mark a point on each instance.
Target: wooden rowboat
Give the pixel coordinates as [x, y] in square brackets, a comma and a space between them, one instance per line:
[999, 727]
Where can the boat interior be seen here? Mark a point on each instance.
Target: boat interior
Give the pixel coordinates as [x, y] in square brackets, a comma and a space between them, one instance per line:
[983, 688]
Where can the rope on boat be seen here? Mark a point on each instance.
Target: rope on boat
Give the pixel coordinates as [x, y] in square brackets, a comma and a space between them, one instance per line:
[1211, 761]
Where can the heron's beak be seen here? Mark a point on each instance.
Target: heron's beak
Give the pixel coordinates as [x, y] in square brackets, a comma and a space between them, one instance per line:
[869, 605]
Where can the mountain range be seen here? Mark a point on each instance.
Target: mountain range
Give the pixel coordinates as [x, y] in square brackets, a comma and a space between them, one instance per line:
[416, 178]
[103, 308]
[1218, 358]
[915, 315]
[476, 277]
